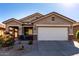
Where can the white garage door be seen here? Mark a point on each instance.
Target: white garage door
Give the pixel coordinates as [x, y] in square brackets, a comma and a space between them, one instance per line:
[51, 33]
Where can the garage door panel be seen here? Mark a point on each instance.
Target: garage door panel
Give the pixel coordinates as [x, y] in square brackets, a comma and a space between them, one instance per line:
[45, 33]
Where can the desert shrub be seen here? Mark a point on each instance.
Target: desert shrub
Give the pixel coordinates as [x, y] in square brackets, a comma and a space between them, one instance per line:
[6, 40]
[9, 41]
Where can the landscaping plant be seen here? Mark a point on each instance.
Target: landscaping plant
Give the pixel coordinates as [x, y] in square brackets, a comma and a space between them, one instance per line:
[30, 42]
[1, 41]
[9, 41]
[6, 40]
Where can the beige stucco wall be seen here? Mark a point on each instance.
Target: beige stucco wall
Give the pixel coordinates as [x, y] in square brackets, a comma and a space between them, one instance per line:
[58, 21]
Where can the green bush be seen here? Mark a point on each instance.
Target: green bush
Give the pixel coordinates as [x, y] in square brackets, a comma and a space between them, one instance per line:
[30, 42]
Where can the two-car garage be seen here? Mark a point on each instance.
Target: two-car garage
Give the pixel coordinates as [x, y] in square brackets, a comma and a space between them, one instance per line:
[54, 27]
[52, 33]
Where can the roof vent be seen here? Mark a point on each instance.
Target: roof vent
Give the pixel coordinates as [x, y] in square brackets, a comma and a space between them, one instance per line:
[53, 19]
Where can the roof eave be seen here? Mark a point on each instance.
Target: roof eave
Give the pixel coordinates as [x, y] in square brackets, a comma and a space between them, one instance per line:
[71, 20]
[11, 19]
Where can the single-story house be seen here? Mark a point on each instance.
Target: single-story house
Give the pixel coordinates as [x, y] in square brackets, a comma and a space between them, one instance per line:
[52, 26]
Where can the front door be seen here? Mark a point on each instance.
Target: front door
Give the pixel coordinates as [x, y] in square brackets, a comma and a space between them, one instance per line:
[28, 31]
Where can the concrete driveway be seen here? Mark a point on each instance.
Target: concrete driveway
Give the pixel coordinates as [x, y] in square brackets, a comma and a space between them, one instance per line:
[43, 48]
[57, 48]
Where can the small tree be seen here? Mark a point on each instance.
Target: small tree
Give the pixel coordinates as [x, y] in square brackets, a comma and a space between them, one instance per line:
[78, 35]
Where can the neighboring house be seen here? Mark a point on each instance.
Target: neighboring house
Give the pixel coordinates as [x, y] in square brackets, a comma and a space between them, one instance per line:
[76, 31]
[2, 29]
[52, 26]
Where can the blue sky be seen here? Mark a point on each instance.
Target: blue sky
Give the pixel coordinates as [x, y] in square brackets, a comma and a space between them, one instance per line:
[20, 10]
